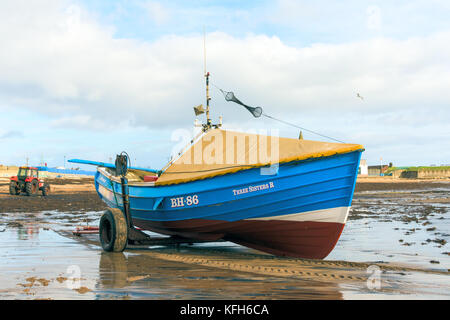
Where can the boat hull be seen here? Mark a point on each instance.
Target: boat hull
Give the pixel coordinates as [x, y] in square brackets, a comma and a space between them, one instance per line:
[304, 235]
[298, 212]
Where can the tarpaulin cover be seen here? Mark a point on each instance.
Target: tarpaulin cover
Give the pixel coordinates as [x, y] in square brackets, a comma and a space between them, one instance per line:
[220, 152]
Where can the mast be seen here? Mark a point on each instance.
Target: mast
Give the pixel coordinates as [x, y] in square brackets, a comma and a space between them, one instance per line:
[198, 110]
[208, 98]
[207, 126]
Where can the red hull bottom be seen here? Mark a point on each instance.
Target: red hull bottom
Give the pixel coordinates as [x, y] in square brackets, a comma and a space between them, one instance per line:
[300, 239]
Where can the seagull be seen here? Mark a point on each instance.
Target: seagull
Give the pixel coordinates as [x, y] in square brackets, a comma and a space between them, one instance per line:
[359, 96]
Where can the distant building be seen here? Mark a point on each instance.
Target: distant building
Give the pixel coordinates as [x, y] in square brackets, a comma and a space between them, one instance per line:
[377, 170]
[363, 168]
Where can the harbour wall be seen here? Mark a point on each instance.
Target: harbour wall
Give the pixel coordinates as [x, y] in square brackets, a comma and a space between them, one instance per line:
[422, 174]
[8, 171]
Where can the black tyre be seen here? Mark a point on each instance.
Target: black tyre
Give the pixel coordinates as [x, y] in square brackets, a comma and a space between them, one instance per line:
[31, 187]
[45, 189]
[13, 188]
[113, 230]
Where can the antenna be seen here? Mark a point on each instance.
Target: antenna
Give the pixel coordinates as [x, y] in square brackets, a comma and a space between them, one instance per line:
[199, 109]
[204, 47]
[208, 120]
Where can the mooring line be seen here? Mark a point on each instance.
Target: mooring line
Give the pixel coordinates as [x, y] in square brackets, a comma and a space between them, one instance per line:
[298, 127]
[286, 122]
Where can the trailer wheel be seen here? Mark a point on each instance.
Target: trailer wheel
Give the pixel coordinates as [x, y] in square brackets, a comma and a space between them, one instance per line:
[113, 230]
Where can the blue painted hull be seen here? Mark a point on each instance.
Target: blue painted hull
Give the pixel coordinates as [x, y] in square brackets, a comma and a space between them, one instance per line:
[305, 200]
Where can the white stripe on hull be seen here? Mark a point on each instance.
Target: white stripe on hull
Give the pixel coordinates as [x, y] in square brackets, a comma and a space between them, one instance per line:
[336, 215]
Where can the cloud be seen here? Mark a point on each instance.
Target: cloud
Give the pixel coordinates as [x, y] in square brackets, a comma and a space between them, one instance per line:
[373, 18]
[157, 12]
[59, 61]
[11, 135]
[86, 122]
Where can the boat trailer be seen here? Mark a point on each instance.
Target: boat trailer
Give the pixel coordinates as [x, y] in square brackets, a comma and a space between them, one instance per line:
[116, 229]
[150, 241]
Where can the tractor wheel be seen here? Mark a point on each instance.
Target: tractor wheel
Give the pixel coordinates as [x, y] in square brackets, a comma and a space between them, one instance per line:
[31, 187]
[45, 189]
[13, 188]
[113, 230]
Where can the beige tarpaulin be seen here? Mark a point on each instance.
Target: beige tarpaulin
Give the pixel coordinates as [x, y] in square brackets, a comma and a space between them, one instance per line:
[220, 152]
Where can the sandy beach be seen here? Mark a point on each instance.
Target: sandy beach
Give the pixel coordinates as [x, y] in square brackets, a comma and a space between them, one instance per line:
[395, 245]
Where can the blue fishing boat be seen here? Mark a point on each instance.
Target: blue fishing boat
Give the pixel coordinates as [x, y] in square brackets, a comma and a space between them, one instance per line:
[284, 196]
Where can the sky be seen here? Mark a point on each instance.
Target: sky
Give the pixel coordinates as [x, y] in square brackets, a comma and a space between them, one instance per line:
[89, 78]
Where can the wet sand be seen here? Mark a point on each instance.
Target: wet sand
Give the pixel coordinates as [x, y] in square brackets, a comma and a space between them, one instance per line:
[395, 245]
[66, 195]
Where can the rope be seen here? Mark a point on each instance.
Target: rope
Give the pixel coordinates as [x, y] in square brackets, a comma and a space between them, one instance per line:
[114, 192]
[293, 125]
[285, 122]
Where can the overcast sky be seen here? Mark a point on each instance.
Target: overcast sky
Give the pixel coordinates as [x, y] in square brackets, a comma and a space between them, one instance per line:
[91, 78]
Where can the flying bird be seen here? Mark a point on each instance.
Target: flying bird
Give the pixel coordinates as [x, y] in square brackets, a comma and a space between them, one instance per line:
[359, 96]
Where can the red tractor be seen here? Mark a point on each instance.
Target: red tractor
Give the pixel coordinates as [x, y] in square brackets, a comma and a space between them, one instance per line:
[27, 181]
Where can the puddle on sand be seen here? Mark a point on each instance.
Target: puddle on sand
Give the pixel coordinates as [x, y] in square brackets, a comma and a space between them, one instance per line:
[139, 276]
[38, 263]
[41, 264]
[411, 285]
[410, 228]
